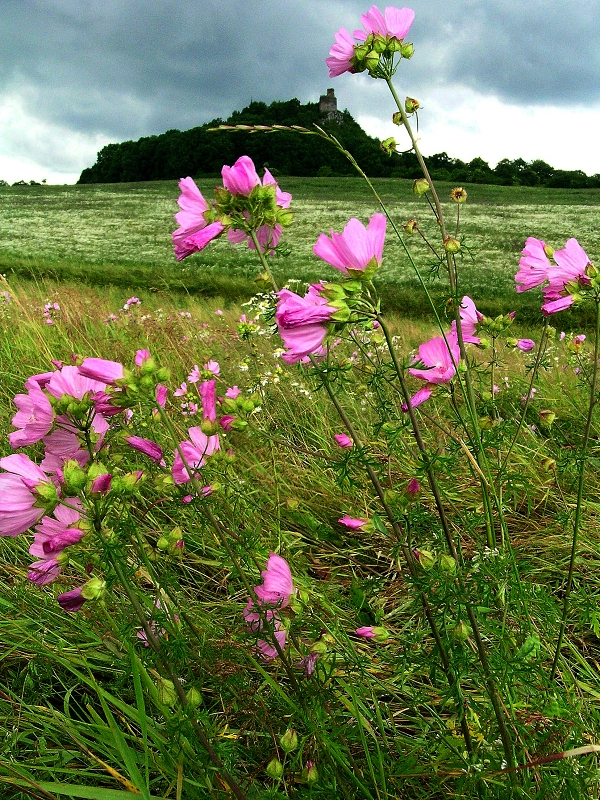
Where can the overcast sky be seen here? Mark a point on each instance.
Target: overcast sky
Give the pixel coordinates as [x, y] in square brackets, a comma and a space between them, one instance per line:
[495, 78]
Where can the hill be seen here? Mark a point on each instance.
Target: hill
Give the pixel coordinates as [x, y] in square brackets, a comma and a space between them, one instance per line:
[199, 151]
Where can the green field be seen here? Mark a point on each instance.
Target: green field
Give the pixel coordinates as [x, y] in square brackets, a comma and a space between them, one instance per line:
[473, 577]
[120, 235]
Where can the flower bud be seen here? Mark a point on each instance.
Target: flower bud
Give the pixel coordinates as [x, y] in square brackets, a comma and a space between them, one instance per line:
[310, 773]
[166, 692]
[407, 50]
[274, 769]
[451, 245]
[448, 564]
[371, 61]
[289, 741]
[462, 632]
[420, 186]
[411, 226]
[194, 697]
[74, 477]
[425, 558]
[411, 105]
[546, 417]
[397, 118]
[93, 589]
[209, 427]
[485, 423]
[548, 465]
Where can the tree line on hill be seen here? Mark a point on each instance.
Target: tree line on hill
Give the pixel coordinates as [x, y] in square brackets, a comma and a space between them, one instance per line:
[200, 151]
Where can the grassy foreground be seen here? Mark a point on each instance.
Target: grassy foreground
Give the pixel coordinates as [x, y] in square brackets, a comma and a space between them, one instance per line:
[80, 720]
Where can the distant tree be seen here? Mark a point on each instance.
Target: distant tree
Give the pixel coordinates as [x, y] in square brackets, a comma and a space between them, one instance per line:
[4, 183]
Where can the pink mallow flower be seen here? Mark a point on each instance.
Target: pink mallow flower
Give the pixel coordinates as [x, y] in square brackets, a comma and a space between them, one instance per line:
[147, 447]
[533, 266]
[395, 22]
[194, 231]
[277, 586]
[439, 359]
[342, 440]
[570, 269]
[302, 322]
[195, 452]
[469, 320]
[341, 54]
[100, 369]
[357, 248]
[35, 417]
[71, 601]
[25, 493]
[353, 523]
[525, 345]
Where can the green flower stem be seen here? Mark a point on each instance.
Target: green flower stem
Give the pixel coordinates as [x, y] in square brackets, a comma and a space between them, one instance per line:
[407, 553]
[222, 532]
[166, 667]
[263, 261]
[583, 457]
[481, 650]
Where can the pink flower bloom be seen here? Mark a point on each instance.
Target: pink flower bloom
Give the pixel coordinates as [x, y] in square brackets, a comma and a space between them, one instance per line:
[69, 380]
[194, 232]
[308, 664]
[44, 572]
[21, 487]
[277, 586]
[533, 267]
[570, 268]
[213, 366]
[341, 54]
[35, 417]
[366, 632]
[71, 601]
[225, 421]
[101, 484]
[439, 359]
[413, 487]
[301, 322]
[353, 523]
[62, 445]
[242, 177]
[99, 369]
[268, 237]
[343, 440]
[395, 22]
[469, 319]
[267, 650]
[195, 452]
[525, 345]
[419, 397]
[141, 357]
[356, 248]
[208, 394]
[161, 395]
[233, 392]
[147, 447]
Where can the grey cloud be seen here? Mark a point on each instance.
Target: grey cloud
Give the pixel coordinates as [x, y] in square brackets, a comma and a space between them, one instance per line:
[126, 68]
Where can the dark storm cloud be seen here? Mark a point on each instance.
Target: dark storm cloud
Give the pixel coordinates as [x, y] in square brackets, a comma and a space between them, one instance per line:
[125, 68]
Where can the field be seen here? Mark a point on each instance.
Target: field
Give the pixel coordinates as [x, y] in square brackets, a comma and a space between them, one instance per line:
[120, 235]
[473, 574]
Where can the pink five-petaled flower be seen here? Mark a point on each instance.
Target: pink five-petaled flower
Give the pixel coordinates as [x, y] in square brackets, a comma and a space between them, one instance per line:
[100, 369]
[194, 232]
[570, 268]
[277, 586]
[356, 249]
[440, 359]
[353, 523]
[25, 490]
[343, 440]
[195, 453]
[395, 22]
[525, 345]
[341, 54]
[533, 266]
[469, 319]
[34, 417]
[302, 322]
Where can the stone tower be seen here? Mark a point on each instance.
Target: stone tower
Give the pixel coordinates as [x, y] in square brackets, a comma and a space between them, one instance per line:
[328, 106]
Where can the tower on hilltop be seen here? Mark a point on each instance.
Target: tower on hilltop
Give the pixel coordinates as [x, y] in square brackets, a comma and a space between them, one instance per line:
[328, 106]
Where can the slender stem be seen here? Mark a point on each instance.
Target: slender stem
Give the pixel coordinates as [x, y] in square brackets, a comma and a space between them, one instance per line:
[583, 456]
[263, 260]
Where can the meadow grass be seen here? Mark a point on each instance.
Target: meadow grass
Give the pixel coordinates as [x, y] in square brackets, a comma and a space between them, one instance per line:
[76, 696]
[120, 235]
